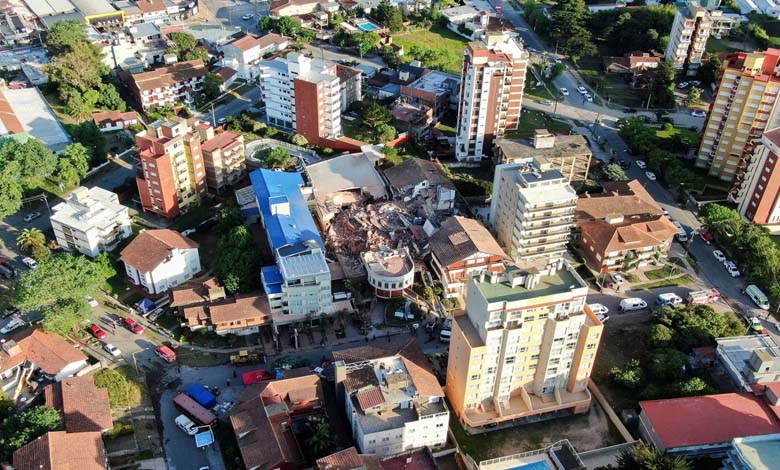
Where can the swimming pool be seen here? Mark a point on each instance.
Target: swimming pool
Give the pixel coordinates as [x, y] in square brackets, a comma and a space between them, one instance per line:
[367, 26]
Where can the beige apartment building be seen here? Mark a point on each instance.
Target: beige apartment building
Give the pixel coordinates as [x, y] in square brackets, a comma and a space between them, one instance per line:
[524, 348]
[224, 157]
[688, 39]
[743, 108]
[532, 209]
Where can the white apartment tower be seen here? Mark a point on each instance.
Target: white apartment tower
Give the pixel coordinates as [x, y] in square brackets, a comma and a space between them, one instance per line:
[490, 96]
[688, 39]
[532, 210]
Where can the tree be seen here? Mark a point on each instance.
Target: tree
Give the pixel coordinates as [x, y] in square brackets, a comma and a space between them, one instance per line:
[198, 53]
[11, 190]
[278, 157]
[385, 133]
[646, 457]
[569, 29]
[374, 117]
[212, 85]
[287, 26]
[238, 260]
[81, 67]
[25, 426]
[613, 172]
[81, 106]
[710, 70]
[694, 386]
[63, 35]
[181, 44]
[693, 98]
[660, 335]
[299, 140]
[78, 158]
[668, 364]
[320, 439]
[365, 42]
[266, 24]
[122, 391]
[88, 134]
[629, 376]
[662, 85]
[110, 98]
[106, 265]
[35, 160]
[29, 238]
[389, 16]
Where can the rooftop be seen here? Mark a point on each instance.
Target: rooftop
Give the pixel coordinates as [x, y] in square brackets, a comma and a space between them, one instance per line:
[388, 263]
[349, 459]
[153, 247]
[759, 452]
[221, 141]
[346, 172]
[459, 237]
[619, 197]
[562, 281]
[85, 209]
[631, 233]
[60, 450]
[168, 76]
[436, 82]
[565, 146]
[48, 351]
[36, 117]
[414, 171]
[50, 7]
[709, 419]
[110, 117]
[94, 7]
[738, 350]
[84, 407]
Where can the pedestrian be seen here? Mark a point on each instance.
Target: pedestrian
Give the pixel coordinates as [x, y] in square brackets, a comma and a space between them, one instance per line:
[228, 382]
[366, 339]
[374, 337]
[234, 374]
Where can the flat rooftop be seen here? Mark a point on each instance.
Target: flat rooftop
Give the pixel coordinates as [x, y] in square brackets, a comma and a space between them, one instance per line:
[737, 350]
[436, 82]
[564, 280]
[565, 146]
[346, 172]
[388, 263]
[759, 452]
[37, 118]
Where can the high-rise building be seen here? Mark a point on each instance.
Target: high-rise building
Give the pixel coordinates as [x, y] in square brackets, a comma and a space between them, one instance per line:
[173, 177]
[688, 39]
[760, 202]
[305, 95]
[532, 210]
[743, 108]
[490, 95]
[524, 348]
[223, 156]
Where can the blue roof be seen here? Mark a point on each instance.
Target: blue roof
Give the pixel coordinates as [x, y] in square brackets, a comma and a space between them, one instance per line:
[277, 187]
[203, 439]
[272, 279]
[541, 465]
[392, 88]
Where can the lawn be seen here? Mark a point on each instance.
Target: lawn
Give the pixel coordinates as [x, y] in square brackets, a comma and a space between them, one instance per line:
[536, 90]
[620, 342]
[448, 124]
[438, 39]
[192, 218]
[683, 280]
[686, 134]
[472, 182]
[663, 273]
[611, 87]
[719, 45]
[532, 120]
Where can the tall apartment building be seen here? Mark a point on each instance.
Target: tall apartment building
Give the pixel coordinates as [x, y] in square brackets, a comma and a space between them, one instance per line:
[532, 210]
[760, 202]
[90, 221]
[224, 157]
[171, 85]
[524, 348]
[688, 39]
[745, 105]
[491, 93]
[173, 177]
[305, 95]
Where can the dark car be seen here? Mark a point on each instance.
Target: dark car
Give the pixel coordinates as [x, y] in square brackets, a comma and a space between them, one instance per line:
[631, 111]
[11, 311]
[624, 164]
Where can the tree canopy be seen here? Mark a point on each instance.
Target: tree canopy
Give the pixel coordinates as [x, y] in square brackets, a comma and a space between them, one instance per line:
[238, 260]
[212, 85]
[388, 15]
[23, 427]
[186, 47]
[63, 35]
[646, 457]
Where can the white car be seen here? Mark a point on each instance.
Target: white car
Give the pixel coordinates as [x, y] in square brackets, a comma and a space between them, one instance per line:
[683, 85]
[582, 90]
[719, 256]
[650, 175]
[248, 16]
[588, 98]
[732, 269]
[91, 301]
[15, 323]
[29, 262]
[698, 113]
[641, 164]
[31, 216]
[598, 309]
[189, 232]
[564, 92]
[185, 424]
[545, 102]
[618, 278]
[111, 349]
[603, 317]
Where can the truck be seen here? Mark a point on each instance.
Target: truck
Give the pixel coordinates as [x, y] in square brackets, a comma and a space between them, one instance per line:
[245, 357]
[705, 296]
[191, 408]
[200, 394]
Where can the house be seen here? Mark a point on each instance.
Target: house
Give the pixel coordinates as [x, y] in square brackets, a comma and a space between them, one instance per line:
[416, 177]
[24, 110]
[750, 360]
[570, 154]
[625, 197]
[228, 76]
[160, 259]
[84, 407]
[301, 7]
[349, 459]
[246, 51]
[393, 400]
[634, 64]
[108, 121]
[434, 89]
[169, 85]
[35, 351]
[61, 450]
[706, 425]
[90, 221]
[262, 420]
[460, 248]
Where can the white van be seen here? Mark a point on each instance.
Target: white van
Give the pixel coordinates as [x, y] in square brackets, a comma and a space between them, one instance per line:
[445, 335]
[185, 424]
[633, 303]
[758, 297]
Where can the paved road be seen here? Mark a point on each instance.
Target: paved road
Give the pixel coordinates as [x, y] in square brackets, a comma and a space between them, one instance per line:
[233, 108]
[230, 12]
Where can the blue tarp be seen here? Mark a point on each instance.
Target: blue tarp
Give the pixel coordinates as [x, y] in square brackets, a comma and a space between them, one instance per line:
[145, 306]
[284, 229]
[203, 439]
[199, 393]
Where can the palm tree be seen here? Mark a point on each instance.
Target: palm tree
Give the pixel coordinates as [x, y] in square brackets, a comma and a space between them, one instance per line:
[320, 440]
[30, 239]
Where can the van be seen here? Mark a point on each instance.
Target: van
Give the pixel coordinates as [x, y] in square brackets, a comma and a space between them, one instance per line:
[757, 296]
[165, 353]
[670, 298]
[682, 235]
[633, 303]
[185, 424]
[445, 335]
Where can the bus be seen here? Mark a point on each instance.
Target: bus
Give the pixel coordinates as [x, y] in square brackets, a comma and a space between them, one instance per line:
[192, 409]
[682, 235]
[757, 296]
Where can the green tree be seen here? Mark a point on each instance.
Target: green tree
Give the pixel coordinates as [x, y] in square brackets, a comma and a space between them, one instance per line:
[278, 157]
[22, 428]
[11, 190]
[389, 16]
[287, 26]
[122, 391]
[694, 386]
[81, 106]
[181, 43]
[693, 98]
[668, 364]
[298, 139]
[662, 85]
[613, 172]
[569, 29]
[335, 20]
[81, 67]
[35, 160]
[88, 134]
[320, 439]
[106, 265]
[110, 98]
[78, 157]
[385, 133]
[237, 260]
[198, 53]
[29, 238]
[63, 35]
[365, 42]
[212, 85]
[375, 117]
[646, 457]
[629, 376]
[266, 24]
[710, 70]
[660, 335]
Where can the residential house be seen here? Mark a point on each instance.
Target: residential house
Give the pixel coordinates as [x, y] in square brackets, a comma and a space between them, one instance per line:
[460, 248]
[84, 407]
[90, 221]
[302, 7]
[262, 420]
[171, 85]
[636, 64]
[416, 177]
[570, 154]
[108, 121]
[246, 52]
[393, 400]
[160, 259]
[434, 89]
[414, 119]
[62, 450]
[348, 459]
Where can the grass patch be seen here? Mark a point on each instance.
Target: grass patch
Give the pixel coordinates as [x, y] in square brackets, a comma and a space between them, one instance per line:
[620, 343]
[664, 272]
[192, 218]
[532, 120]
[686, 134]
[193, 358]
[715, 45]
[683, 280]
[124, 389]
[445, 129]
[536, 89]
[437, 38]
[120, 429]
[611, 87]
[471, 182]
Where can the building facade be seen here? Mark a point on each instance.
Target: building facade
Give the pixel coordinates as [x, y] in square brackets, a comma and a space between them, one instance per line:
[570, 154]
[173, 177]
[532, 210]
[245, 53]
[524, 348]
[224, 157]
[745, 105]
[491, 93]
[168, 86]
[90, 221]
[688, 39]
[760, 198]
[390, 272]
[158, 260]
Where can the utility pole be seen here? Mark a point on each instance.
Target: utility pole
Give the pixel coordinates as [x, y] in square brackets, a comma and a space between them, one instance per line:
[213, 119]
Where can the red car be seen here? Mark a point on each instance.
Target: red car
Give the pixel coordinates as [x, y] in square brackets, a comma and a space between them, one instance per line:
[133, 326]
[97, 332]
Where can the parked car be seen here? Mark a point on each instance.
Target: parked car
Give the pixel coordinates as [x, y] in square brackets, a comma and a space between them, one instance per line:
[189, 232]
[221, 120]
[15, 323]
[248, 16]
[695, 83]
[732, 269]
[698, 113]
[624, 164]
[598, 309]
[582, 90]
[31, 216]
[630, 111]
[603, 317]
[564, 92]
[650, 175]
[133, 325]
[185, 424]
[111, 349]
[97, 332]
[617, 278]
[682, 85]
[588, 98]
[706, 237]
[633, 303]
[29, 262]
[641, 164]
[545, 102]
[91, 301]
[719, 256]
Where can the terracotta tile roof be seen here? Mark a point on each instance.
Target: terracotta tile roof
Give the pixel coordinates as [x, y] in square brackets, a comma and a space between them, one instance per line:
[102, 118]
[226, 73]
[349, 459]
[709, 419]
[193, 292]
[619, 197]
[222, 140]
[370, 398]
[277, 4]
[168, 76]
[459, 237]
[49, 352]
[414, 171]
[84, 407]
[630, 234]
[8, 116]
[150, 6]
[196, 316]
[241, 308]
[152, 247]
[58, 450]
[362, 353]
[421, 459]
[245, 43]
[420, 371]
[270, 39]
